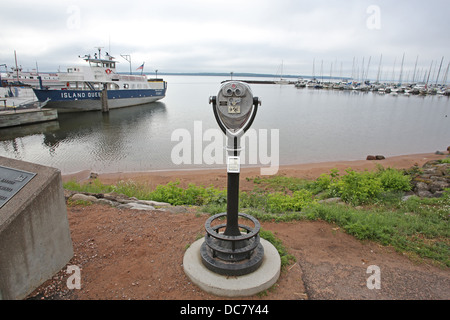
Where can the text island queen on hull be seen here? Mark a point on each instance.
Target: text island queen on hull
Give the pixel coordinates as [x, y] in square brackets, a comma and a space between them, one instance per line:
[83, 86]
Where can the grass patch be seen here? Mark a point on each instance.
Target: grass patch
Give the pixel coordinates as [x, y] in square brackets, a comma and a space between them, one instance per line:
[73, 203]
[373, 208]
[286, 258]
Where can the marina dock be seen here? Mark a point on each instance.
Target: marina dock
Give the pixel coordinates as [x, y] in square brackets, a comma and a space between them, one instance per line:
[11, 118]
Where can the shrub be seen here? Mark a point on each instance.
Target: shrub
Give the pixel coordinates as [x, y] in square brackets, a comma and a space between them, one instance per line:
[392, 179]
[359, 188]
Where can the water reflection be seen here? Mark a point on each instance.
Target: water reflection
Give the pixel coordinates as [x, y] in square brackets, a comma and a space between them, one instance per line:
[10, 134]
[81, 140]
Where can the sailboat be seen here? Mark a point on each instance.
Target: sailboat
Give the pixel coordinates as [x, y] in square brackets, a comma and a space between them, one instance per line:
[281, 81]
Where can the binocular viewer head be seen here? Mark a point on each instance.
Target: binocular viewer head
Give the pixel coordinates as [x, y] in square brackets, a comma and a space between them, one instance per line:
[234, 107]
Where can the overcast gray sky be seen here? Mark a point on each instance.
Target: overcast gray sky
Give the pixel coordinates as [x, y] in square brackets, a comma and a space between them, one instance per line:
[223, 36]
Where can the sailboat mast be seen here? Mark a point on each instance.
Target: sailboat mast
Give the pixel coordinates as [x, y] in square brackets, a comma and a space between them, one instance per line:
[429, 72]
[321, 71]
[362, 71]
[379, 69]
[353, 69]
[401, 70]
[446, 74]
[440, 66]
[393, 69]
[314, 72]
[368, 64]
[281, 70]
[415, 68]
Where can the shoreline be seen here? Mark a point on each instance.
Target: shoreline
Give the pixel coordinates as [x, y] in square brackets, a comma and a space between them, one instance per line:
[218, 177]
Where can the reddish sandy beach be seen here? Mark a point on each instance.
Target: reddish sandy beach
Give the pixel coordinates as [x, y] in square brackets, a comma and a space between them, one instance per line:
[218, 177]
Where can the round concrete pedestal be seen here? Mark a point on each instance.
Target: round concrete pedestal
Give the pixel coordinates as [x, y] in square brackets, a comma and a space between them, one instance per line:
[263, 278]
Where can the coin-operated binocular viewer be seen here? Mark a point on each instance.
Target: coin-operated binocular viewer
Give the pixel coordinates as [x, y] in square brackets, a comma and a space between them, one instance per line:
[236, 250]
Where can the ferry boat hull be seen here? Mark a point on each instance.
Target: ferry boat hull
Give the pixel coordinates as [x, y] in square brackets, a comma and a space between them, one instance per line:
[90, 100]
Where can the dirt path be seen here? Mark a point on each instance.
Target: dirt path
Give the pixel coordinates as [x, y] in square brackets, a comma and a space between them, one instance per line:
[126, 254]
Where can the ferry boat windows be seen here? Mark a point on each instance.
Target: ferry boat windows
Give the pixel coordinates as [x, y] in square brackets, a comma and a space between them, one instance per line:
[109, 64]
[126, 85]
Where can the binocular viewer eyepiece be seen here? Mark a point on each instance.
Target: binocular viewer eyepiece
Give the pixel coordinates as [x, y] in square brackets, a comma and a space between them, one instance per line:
[235, 107]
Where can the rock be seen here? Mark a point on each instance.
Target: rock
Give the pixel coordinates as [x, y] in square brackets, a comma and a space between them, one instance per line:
[438, 194]
[421, 186]
[424, 194]
[120, 201]
[439, 153]
[436, 186]
[331, 200]
[118, 197]
[135, 206]
[433, 180]
[93, 175]
[83, 197]
[68, 193]
[405, 198]
[430, 164]
[108, 202]
[153, 203]
[443, 169]
[377, 157]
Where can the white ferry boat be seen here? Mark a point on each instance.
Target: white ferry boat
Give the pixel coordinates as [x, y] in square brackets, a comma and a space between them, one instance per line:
[83, 87]
[18, 77]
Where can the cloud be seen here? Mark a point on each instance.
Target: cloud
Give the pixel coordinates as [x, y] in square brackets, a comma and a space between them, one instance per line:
[223, 36]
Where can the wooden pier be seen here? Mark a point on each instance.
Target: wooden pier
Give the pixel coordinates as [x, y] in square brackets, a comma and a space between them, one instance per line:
[12, 118]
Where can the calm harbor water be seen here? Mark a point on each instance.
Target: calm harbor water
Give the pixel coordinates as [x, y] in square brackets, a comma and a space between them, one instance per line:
[313, 126]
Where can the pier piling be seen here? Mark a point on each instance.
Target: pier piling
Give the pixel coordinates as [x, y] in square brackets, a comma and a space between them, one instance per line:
[105, 107]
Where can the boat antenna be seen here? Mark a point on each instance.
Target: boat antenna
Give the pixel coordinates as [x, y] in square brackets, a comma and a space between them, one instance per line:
[99, 51]
[17, 69]
[128, 58]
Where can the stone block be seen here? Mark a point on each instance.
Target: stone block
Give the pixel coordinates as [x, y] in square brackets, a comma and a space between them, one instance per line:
[35, 241]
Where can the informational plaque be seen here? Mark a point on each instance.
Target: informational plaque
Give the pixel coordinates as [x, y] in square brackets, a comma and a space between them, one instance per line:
[11, 181]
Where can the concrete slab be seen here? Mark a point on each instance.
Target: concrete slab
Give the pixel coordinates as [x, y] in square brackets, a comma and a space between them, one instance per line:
[242, 286]
[35, 240]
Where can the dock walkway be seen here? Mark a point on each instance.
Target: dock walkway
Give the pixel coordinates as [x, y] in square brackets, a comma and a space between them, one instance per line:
[11, 118]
